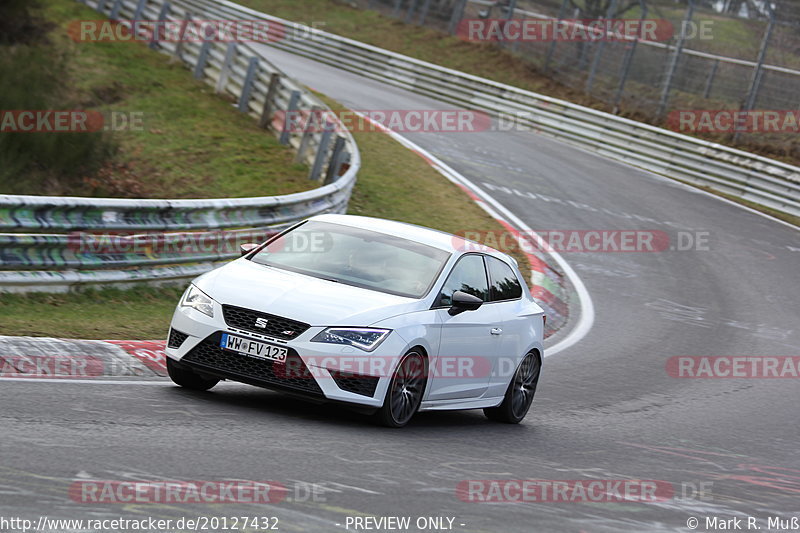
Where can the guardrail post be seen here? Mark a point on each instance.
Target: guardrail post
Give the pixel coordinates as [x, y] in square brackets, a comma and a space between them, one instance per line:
[322, 151]
[272, 90]
[226, 68]
[159, 29]
[177, 55]
[247, 88]
[115, 10]
[202, 57]
[333, 164]
[314, 118]
[562, 11]
[458, 14]
[673, 64]
[512, 6]
[288, 118]
[342, 165]
[137, 15]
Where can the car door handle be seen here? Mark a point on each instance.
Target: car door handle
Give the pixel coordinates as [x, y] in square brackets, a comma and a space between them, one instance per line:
[496, 331]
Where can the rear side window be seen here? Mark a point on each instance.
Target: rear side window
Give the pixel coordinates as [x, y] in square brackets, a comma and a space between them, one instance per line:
[505, 285]
[469, 275]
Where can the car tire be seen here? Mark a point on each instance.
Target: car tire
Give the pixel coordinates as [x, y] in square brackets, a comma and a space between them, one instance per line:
[521, 390]
[406, 388]
[180, 375]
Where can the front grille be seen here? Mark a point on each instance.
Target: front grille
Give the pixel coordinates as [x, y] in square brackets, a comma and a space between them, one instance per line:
[276, 326]
[293, 374]
[356, 383]
[176, 338]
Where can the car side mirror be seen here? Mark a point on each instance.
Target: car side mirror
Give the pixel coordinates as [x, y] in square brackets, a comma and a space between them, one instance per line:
[247, 247]
[464, 302]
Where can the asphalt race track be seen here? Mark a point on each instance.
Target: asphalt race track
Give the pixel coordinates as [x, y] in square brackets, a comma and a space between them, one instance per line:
[606, 408]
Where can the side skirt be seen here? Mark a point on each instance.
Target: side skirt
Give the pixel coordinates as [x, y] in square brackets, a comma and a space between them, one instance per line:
[447, 405]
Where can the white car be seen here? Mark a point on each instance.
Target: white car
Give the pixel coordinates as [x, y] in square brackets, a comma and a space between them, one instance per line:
[390, 317]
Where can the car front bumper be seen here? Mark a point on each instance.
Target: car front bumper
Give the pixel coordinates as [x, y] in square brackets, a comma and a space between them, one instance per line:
[315, 370]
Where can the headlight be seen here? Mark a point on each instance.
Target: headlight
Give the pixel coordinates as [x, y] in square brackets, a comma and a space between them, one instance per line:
[365, 338]
[197, 299]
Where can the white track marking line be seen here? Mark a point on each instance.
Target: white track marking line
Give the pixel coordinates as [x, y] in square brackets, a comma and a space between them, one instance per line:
[668, 179]
[698, 190]
[586, 319]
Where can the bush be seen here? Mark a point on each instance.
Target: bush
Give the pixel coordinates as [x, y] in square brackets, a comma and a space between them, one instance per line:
[35, 76]
[18, 23]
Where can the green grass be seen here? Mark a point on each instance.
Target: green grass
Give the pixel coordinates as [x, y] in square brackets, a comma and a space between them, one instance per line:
[193, 144]
[142, 313]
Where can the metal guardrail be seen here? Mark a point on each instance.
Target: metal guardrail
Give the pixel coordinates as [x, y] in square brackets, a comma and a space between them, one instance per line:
[735, 172]
[178, 243]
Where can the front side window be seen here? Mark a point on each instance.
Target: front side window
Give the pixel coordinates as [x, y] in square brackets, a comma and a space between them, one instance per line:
[505, 285]
[469, 275]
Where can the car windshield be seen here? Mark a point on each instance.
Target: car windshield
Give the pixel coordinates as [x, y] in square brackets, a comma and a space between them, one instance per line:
[357, 257]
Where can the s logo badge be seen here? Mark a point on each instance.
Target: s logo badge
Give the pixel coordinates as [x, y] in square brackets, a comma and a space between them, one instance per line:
[261, 323]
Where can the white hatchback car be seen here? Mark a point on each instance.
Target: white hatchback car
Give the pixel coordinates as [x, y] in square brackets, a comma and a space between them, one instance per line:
[382, 315]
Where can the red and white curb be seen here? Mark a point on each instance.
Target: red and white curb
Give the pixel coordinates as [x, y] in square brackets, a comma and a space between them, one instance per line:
[80, 361]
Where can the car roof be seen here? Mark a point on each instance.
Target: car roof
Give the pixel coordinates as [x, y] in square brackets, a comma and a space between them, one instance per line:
[431, 237]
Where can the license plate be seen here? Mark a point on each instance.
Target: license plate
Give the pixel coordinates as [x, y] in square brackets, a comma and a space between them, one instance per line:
[257, 349]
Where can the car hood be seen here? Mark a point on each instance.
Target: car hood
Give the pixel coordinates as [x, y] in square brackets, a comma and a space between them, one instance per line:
[287, 294]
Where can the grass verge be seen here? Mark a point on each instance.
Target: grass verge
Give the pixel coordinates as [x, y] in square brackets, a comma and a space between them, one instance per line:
[142, 313]
[193, 144]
